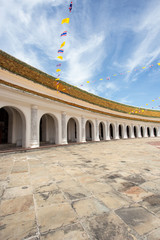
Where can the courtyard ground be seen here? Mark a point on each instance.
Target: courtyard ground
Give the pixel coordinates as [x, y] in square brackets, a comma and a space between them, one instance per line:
[94, 191]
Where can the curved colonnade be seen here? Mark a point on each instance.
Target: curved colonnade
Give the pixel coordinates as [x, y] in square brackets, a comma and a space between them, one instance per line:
[61, 128]
[33, 113]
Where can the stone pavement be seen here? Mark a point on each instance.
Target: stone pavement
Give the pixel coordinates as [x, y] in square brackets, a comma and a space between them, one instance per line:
[95, 191]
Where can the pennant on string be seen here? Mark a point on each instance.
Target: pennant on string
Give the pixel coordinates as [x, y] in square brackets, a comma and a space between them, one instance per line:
[65, 20]
[58, 65]
[64, 34]
[70, 7]
[62, 45]
[60, 51]
[58, 70]
[60, 57]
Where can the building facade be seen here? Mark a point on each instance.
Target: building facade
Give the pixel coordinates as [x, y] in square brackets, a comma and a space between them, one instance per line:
[34, 113]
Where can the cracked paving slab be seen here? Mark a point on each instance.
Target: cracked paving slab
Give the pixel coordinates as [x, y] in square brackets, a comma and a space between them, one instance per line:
[95, 191]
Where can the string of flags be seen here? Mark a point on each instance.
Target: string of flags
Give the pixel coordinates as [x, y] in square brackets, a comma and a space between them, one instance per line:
[61, 50]
[139, 110]
[122, 73]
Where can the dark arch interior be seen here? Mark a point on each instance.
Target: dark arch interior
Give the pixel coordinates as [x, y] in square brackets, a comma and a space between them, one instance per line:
[148, 131]
[142, 133]
[155, 132]
[71, 131]
[128, 131]
[135, 131]
[120, 131]
[88, 131]
[101, 134]
[47, 130]
[111, 131]
[3, 126]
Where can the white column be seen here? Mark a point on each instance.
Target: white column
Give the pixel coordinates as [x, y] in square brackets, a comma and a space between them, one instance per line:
[132, 132]
[116, 131]
[139, 132]
[124, 131]
[64, 128]
[145, 132]
[151, 129]
[83, 139]
[34, 142]
[97, 131]
[158, 132]
[107, 131]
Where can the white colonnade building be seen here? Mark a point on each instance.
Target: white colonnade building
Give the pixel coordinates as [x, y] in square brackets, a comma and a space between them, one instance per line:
[33, 113]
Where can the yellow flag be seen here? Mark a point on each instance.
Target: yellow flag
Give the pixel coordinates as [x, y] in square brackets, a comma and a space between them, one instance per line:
[101, 79]
[87, 81]
[153, 100]
[158, 64]
[115, 75]
[143, 67]
[65, 20]
[62, 45]
[146, 104]
[60, 57]
[58, 70]
[57, 79]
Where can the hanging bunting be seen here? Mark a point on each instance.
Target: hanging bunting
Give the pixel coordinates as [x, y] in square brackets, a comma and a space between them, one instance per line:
[63, 34]
[65, 20]
[60, 51]
[70, 7]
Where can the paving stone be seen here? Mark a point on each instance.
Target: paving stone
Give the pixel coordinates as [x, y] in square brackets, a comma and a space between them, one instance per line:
[98, 187]
[18, 226]
[17, 192]
[112, 200]
[137, 193]
[76, 193]
[16, 205]
[49, 187]
[139, 219]
[19, 179]
[52, 217]
[73, 232]
[155, 235]
[107, 227]
[152, 203]
[49, 198]
[89, 207]
[153, 186]
[20, 168]
[82, 183]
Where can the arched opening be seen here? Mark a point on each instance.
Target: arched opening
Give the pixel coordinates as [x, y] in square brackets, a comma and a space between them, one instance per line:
[155, 132]
[135, 132]
[47, 130]
[128, 131]
[89, 131]
[111, 131]
[148, 131]
[142, 132]
[120, 130]
[101, 131]
[3, 126]
[12, 128]
[71, 131]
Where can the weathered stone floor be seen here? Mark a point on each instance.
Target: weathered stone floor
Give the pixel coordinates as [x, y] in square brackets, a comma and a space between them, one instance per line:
[96, 191]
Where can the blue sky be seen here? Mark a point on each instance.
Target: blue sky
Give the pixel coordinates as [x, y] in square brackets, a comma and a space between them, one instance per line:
[105, 38]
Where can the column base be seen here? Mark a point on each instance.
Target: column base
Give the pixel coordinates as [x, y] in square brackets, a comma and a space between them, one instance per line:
[34, 144]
